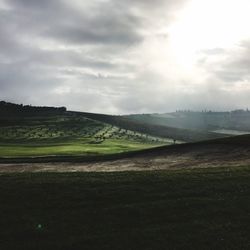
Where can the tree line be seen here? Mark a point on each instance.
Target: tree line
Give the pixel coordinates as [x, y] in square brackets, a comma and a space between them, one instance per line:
[8, 109]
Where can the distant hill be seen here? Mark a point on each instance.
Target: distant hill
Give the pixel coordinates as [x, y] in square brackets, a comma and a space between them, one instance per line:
[139, 125]
[14, 114]
[138, 142]
[31, 132]
[238, 120]
[10, 110]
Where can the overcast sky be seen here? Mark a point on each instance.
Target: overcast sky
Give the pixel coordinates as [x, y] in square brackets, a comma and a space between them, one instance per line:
[126, 56]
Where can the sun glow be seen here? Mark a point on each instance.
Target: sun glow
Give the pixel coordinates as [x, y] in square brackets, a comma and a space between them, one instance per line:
[206, 25]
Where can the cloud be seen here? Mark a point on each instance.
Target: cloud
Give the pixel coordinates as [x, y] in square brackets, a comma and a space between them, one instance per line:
[111, 56]
[231, 65]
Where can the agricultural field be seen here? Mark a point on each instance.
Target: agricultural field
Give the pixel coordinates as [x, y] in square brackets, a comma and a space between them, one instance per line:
[183, 209]
[70, 135]
[152, 128]
[72, 180]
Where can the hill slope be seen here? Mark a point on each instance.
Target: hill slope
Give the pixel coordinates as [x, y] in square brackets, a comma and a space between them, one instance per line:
[27, 131]
[234, 122]
[233, 151]
[187, 135]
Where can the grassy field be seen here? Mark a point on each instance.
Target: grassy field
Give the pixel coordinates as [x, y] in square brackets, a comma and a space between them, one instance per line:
[69, 135]
[197, 209]
[80, 147]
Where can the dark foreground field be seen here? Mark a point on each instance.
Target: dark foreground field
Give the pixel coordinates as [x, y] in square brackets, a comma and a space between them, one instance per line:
[185, 209]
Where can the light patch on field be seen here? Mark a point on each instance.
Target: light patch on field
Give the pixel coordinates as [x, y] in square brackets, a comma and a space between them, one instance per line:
[231, 132]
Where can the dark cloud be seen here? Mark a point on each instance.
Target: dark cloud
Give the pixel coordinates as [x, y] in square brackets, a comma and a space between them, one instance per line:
[92, 54]
[105, 24]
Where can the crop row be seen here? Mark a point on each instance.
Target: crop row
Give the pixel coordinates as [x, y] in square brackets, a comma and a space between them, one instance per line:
[84, 128]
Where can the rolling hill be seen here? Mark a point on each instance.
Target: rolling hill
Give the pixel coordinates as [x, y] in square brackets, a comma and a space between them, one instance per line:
[48, 202]
[154, 129]
[231, 151]
[44, 134]
[233, 123]
[27, 131]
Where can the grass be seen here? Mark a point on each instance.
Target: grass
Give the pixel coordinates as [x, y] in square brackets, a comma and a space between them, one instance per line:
[69, 135]
[80, 147]
[198, 209]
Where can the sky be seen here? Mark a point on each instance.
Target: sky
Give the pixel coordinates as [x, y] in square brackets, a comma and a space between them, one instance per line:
[126, 56]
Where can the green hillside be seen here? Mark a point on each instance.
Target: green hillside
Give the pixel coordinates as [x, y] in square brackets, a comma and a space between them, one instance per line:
[139, 124]
[49, 132]
[27, 131]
